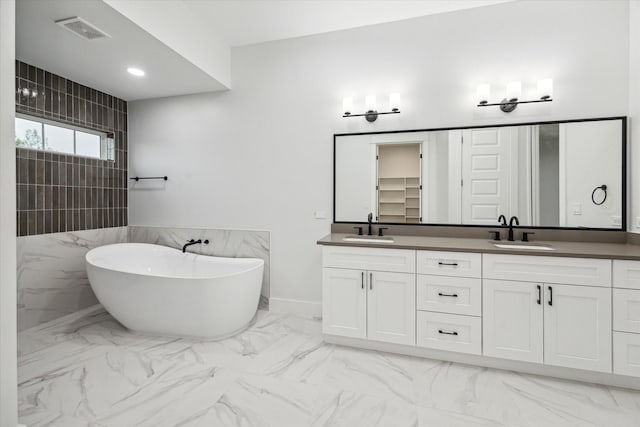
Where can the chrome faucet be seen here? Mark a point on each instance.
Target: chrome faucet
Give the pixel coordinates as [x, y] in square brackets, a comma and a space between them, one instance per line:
[513, 218]
[193, 242]
[370, 229]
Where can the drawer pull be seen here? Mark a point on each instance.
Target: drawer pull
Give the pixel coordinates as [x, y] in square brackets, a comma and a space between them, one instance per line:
[539, 294]
[550, 295]
[370, 281]
[440, 331]
[447, 295]
[362, 281]
[452, 264]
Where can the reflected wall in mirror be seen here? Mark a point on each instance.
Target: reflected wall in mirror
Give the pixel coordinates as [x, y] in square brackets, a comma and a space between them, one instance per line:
[568, 174]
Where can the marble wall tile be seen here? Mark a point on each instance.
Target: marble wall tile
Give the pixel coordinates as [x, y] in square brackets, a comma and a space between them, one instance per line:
[52, 278]
[226, 243]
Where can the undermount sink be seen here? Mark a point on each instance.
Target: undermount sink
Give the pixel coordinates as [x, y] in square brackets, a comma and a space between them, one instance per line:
[368, 239]
[523, 247]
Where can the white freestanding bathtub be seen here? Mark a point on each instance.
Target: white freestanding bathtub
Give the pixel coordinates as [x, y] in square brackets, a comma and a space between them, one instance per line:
[159, 290]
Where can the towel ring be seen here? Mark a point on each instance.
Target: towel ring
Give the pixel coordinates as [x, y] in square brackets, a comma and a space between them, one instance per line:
[603, 187]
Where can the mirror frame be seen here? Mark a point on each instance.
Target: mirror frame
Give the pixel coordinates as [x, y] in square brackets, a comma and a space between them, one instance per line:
[623, 119]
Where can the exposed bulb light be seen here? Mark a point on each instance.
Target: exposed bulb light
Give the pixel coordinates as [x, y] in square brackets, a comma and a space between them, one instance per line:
[394, 102]
[135, 71]
[483, 93]
[347, 106]
[370, 103]
[545, 89]
[371, 109]
[514, 91]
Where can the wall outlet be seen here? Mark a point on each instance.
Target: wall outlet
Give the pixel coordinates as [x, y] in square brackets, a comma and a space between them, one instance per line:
[576, 208]
[320, 214]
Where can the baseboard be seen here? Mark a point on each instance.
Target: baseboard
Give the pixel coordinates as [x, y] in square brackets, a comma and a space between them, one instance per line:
[491, 362]
[297, 307]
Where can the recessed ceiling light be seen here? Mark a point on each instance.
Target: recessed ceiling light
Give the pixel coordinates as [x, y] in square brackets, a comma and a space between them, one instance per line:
[135, 71]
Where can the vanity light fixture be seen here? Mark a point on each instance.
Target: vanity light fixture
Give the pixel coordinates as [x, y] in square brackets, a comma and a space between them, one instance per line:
[514, 92]
[371, 109]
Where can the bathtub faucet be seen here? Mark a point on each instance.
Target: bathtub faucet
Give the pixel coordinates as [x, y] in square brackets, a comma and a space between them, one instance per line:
[193, 242]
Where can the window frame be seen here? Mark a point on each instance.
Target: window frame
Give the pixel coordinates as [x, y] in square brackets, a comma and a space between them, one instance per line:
[104, 137]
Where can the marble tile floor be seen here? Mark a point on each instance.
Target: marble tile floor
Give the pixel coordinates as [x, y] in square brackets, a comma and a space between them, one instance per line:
[85, 369]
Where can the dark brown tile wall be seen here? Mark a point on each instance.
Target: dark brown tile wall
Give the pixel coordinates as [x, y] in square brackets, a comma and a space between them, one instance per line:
[58, 192]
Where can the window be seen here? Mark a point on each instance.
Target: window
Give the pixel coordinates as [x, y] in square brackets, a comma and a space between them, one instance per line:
[42, 134]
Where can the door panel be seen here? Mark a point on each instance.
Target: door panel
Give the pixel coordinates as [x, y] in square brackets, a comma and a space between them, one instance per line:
[489, 174]
[344, 302]
[512, 320]
[392, 307]
[577, 327]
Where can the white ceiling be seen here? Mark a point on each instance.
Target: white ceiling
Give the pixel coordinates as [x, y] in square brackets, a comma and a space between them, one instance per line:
[102, 63]
[242, 22]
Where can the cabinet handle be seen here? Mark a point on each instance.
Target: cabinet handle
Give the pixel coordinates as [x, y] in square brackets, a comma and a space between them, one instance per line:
[453, 264]
[362, 281]
[539, 294]
[440, 331]
[447, 295]
[550, 295]
[371, 281]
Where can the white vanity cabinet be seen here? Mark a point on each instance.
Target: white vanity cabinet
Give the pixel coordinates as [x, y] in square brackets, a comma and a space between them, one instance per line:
[626, 317]
[449, 301]
[369, 293]
[548, 312]
[512, 320]
[559, 321]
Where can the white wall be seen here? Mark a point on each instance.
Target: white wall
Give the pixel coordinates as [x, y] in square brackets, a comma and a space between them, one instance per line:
[8, 351]
[634, 114]
[260, 156]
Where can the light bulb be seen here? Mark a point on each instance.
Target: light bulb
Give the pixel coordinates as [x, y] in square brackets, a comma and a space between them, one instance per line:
[483, 93]
[370, 103]
[394, 102]
[514, 90]
[545, 88]
[347, 105]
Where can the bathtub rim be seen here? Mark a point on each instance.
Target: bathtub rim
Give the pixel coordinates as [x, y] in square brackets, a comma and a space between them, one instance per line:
[259, 264]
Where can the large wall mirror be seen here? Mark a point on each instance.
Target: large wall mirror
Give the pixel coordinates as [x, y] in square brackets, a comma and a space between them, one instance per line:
[566, 174]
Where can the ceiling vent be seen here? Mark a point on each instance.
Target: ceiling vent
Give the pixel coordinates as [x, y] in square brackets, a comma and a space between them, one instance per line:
[82, 28]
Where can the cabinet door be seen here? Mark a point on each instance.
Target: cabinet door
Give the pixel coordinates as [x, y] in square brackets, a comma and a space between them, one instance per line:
[512, 320]
[577, 327]
[344, 302]
[392, 307]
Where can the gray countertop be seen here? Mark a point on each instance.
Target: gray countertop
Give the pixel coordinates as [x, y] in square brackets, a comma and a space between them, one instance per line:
[458, 244]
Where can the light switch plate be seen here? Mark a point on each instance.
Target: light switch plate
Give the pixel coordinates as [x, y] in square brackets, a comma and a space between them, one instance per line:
[576, 208]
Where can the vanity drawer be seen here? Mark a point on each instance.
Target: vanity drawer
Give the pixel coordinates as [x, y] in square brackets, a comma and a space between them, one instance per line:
[460, 264]
[545, 269]
[451, 332]
[394, 260]
[626, 310]
[626, 354]
[455, 295]
[626, 274]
